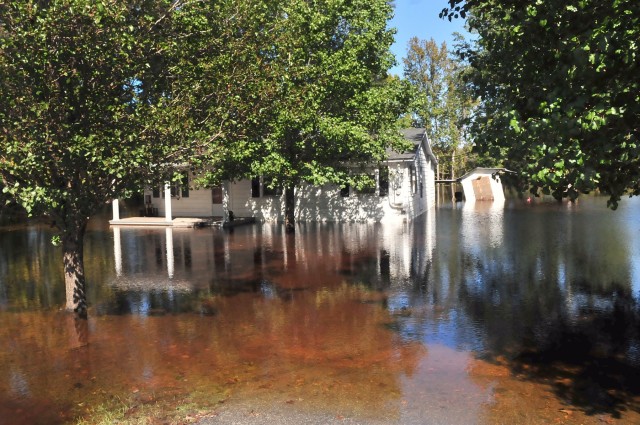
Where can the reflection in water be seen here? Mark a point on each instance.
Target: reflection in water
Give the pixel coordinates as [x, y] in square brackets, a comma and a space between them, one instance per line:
[170, 253]
[484, 313]
[482, 224]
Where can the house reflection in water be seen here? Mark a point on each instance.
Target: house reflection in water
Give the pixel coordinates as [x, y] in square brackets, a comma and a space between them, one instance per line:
[263, 256]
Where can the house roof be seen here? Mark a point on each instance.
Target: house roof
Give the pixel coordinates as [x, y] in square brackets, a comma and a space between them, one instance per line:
[416, 136]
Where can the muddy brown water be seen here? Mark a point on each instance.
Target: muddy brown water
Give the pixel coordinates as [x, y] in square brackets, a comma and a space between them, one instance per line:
[479, 313]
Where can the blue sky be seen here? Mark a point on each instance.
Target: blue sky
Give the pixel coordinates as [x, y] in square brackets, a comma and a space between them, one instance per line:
[419, 18]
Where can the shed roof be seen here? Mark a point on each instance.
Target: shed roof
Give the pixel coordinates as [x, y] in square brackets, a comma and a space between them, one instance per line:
[484, 171]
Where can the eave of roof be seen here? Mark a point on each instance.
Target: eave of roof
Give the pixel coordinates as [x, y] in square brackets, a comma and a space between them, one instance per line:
[484, 171]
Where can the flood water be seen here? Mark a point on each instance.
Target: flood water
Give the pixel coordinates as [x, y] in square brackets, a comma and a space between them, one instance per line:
[482, 313]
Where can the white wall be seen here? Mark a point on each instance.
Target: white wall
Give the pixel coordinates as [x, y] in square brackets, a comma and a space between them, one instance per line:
[312, 204]
[324, 203]
[420, 202]
[198, 204]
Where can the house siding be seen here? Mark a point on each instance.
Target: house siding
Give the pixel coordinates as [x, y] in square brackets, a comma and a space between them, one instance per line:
[321, 203]
[324, 203]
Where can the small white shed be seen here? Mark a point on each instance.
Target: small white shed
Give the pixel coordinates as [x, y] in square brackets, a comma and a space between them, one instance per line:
[483, 184]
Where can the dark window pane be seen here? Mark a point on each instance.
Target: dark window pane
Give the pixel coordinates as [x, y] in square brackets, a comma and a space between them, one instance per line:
[185, 184]
[216, 195]
[255, 187]
[383, 181]
[267, 191]
[344, 192]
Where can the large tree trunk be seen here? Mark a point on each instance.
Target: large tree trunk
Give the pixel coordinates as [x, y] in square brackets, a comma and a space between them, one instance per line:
[74, 280]
[289, 208]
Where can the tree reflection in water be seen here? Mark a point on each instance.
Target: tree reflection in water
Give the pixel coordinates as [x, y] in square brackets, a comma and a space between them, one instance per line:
[497, 312]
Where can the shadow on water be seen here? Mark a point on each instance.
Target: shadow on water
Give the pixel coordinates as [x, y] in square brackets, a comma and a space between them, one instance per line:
[585, 347]
[588, 357]
[592, 362]
[555, 297]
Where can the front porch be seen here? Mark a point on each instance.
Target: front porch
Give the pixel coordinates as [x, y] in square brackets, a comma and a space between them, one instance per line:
[162, 222]
[151, 220]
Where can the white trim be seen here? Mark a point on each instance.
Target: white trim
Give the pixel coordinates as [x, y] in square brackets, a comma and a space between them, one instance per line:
[115, 206]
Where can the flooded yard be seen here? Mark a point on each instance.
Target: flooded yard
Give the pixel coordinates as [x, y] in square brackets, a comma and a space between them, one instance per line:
[482, 313]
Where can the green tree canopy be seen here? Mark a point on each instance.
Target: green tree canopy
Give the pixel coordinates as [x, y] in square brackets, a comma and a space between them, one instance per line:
[76, 101]
[442, 103]
[99, 97]
[331, 106]
[560, 92]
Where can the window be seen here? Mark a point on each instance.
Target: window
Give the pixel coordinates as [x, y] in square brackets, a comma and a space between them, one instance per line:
[216, 195]
[156, 192]
[258, 184]
[255, 187]
[185, 184]
[180, 187]
[383, 181]
[344, 191]
[370, 188]
[414, 183]
[268, 191]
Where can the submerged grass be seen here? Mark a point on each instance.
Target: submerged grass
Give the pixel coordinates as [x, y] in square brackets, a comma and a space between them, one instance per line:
[136, 411]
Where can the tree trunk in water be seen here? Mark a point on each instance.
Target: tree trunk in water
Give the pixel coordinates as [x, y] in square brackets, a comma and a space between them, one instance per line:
[289, 208]
[74, 280]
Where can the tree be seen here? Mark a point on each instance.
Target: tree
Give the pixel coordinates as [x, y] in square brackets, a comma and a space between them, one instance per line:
[560, 92]
[76, 111]
[332, 110]
[99, 98]
[224, 81]
[442, 102]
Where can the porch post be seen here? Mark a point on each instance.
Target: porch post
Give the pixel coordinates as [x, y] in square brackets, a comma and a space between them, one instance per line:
[115, 205]
[167, 202]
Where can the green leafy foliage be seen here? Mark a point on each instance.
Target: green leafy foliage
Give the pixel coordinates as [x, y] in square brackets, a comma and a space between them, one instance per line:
[443, 103]
[560, 92]
[324, 104]
[80, 91]
[77, 103]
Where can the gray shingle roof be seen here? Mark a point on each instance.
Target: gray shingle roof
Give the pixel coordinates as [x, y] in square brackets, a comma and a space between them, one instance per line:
[415, 135]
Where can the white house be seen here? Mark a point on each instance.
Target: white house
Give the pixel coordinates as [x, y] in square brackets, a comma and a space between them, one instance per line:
[405, 188]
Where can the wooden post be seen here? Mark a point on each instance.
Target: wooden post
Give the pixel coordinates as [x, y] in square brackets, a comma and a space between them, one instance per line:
[453, 175]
